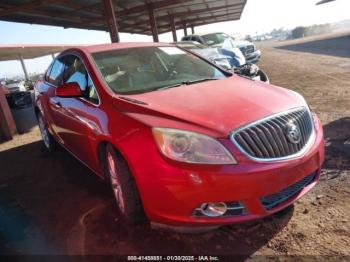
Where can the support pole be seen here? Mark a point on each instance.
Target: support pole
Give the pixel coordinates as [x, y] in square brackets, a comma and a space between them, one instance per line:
[7, 124]
[153, 23]
[173, 28]
[111, 20]
[24, 68]
[192, 28]
[185, 29]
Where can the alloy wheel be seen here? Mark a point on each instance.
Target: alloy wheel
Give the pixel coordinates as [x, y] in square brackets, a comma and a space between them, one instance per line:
[44, 132]
[115, 180]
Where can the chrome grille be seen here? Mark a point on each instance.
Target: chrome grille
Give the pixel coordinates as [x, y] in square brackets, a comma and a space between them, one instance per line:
[268, 140]
[271, 201]
[248, 49]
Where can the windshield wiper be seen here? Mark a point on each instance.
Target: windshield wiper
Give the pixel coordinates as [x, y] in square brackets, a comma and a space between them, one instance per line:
[188, 82]
[171, 86]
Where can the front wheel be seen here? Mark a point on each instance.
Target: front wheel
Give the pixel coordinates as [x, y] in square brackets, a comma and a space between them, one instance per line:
[48, 140]
[124, 187]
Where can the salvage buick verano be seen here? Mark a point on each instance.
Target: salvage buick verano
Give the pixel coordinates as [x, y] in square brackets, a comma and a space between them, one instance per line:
[181, 141]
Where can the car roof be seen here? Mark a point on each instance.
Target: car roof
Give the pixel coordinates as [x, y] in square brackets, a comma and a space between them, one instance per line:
[185, 43]
[114, 46]
[202, 34]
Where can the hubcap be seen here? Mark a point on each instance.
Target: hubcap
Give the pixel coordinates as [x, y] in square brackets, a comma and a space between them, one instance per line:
[44, 132]
[115, 181]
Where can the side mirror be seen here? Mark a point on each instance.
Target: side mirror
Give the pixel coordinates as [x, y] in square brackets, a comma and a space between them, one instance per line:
[69, 90]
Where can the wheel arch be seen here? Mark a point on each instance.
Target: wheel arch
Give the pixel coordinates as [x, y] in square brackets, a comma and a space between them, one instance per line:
[101, 154]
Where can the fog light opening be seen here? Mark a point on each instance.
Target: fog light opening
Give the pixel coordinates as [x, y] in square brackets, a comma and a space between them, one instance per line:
[213, 209]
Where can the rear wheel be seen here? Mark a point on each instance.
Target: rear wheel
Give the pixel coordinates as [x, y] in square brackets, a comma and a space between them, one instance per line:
[123, 186]
[48, 140]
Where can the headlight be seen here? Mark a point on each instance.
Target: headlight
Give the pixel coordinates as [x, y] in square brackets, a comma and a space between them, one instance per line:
[189, 147]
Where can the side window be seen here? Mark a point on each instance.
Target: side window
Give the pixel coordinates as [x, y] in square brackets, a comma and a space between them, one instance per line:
[75, 71]
[92, 93]
[200, 40]
[48, 72]
[55, 75]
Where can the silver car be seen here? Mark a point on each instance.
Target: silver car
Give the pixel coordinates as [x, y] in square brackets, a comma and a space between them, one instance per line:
[249, 50]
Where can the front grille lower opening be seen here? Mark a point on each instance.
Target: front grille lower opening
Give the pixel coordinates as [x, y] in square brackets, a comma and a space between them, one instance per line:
[274, 200]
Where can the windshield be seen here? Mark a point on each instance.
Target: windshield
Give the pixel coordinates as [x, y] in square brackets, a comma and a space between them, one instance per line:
[214, 39]
[140, 70]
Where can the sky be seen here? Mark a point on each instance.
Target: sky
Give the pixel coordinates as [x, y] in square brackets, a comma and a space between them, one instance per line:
[259, 16]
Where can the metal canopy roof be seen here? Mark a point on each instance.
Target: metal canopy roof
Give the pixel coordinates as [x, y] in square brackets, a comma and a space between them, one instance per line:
[17, 52]
[132, 15]
[324, 1]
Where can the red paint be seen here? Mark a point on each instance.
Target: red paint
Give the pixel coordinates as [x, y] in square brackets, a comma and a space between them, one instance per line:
[170, 190]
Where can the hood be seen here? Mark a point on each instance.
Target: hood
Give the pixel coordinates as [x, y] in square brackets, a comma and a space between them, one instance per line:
[215, 56]
[234, 55]
[208, 52]
[219, 106]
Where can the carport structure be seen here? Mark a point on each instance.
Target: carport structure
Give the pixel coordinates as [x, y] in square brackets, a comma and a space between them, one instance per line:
[22, 52]
[19, 52]
[148, 17]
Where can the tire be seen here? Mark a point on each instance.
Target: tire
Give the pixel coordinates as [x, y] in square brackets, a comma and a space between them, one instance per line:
[123, 187]
[48, 140]
[263, 76]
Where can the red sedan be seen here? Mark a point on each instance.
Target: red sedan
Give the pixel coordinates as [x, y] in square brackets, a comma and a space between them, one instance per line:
[182, 141]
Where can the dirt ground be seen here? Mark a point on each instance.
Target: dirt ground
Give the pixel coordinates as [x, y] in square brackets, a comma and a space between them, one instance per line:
[51, 204]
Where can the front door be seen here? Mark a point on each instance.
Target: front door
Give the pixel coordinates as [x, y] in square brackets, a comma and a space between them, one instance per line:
[71, 113]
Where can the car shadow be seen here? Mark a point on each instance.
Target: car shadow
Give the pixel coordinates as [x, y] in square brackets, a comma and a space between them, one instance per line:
[52, 204]
[239, 241]
[337, 139]
[338, 46]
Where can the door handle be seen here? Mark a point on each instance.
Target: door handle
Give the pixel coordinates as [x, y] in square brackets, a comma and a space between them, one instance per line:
[57, 104]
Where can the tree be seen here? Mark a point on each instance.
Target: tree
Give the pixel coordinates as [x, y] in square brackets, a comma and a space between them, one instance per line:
[298, 32]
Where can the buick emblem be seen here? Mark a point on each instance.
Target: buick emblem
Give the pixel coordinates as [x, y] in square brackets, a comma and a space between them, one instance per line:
[292, 133]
